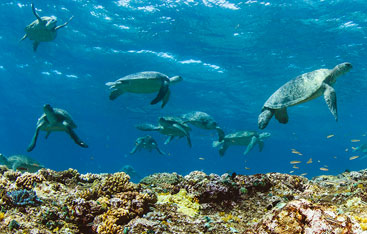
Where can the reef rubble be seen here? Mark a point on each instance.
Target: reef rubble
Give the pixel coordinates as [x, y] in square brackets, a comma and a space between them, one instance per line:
[69, 202]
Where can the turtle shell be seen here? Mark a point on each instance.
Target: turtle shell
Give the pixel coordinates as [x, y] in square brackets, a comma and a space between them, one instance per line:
[241, 134]
[298, 89]
[38, 32]
[141, 82]
[61, 116]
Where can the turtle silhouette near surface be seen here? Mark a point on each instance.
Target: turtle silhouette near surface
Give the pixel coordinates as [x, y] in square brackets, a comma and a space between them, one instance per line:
[302, 89]
[43, 29]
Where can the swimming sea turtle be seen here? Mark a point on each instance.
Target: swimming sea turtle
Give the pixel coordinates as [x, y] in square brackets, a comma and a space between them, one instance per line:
[144, 82]
[249, 138]
[146, 142]
[203, 120]
[170, 126]
[43, 29]
[21, 163]
[301, 89]
[55, 119]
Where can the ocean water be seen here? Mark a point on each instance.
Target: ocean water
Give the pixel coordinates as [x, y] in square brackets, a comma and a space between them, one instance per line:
[232, 55]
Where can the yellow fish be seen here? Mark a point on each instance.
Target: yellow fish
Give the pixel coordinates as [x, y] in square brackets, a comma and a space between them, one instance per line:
[201, 158]
[291, 171]
[354, 148]
[295, 167]
[330, 136]
[309, 161]
[353, 157]
[303, 174]
[295, 162]
[247, 168]
[355, 140]
[296, 152]
[323, 169]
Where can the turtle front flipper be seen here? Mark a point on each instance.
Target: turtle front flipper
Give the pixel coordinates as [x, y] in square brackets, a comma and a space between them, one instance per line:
[220, 133]
[24, 37]
[147, 127]
[35, 13]
[162, 91]
[281, 115]
[223, 149]
[169, 139]
[63, 25]
[160, 151]
[330, 99]
[265, 117]
[76, 139]
[166, 98]
[133, 151]
[34, 139]
[251, 145]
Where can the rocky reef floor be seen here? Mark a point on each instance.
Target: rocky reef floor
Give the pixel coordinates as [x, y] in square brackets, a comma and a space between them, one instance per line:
[70, 202]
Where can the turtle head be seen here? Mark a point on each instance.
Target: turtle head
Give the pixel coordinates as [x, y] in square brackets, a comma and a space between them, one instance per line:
[264, 135]
[50, 22]
[341, 69]
[47, 108]
[175, 79]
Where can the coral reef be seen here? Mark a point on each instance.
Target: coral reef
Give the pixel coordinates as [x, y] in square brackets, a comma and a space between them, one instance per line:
[69, 202]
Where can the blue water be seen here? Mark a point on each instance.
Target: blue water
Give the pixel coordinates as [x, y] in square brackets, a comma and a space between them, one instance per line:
[232, 57]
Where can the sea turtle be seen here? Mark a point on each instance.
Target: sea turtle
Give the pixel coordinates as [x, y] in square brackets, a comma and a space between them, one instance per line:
[146, 142]
[170, 126]
[362, 148]
[301, 89]
[43, 29]
[55, 119]
[203, 120]
[144, 82]
[20, 162]
[249, 138]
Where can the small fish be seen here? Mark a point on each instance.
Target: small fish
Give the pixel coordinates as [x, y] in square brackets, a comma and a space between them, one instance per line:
[309, 161]
[303, 174]
[296, 152]
[201, 158]
[353, 157]
[247, 168]
[330, 136]
[294, 162]
[355, 140]
[335, 157]
[291, 171]
[295, 167]
[318, 161]
[354, 148]
[346, 149]
[324, 169]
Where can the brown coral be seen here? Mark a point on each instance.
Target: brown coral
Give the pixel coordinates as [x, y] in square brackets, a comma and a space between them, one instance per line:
[28, 180]
[115, 183]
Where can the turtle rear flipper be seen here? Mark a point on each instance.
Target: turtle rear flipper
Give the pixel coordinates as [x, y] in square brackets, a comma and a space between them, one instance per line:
[76, 139]
[34, 139]
[35, 45]
[223, 149]
[261, 145]
[281, 115]
[330, 99]
[251, 145]
[162, 91]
